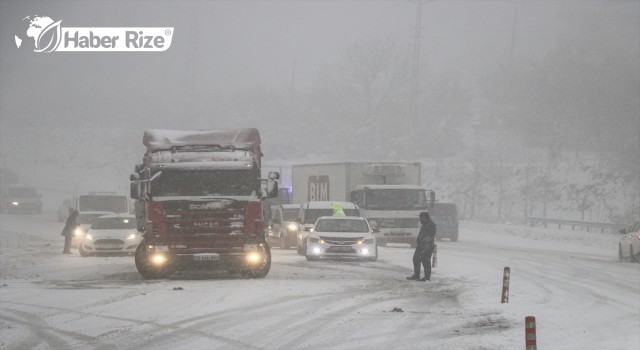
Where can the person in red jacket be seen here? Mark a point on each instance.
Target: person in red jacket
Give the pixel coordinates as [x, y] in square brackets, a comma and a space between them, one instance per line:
[425, 243]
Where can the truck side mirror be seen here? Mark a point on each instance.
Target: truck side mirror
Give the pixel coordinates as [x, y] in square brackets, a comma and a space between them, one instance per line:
[134, 190]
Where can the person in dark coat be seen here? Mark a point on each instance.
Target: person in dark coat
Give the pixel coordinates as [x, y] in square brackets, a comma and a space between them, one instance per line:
[68, 229]
[425, 243]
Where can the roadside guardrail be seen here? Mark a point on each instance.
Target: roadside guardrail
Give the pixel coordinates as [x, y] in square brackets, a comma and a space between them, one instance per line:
[589, 225]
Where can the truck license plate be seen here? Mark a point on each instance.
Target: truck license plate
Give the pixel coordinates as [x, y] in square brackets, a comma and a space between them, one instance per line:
[206, 257]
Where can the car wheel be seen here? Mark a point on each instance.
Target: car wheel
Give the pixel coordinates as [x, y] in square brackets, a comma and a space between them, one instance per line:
[375, 257]
[632, 256]
[82, 251]
[620, 256]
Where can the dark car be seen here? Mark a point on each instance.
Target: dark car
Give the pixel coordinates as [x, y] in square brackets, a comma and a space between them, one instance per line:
[445, 215]
[20, 198]
[282, 228]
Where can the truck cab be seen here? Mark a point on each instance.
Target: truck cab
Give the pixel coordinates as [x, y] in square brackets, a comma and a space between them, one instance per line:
[393, 209]
[199, 203]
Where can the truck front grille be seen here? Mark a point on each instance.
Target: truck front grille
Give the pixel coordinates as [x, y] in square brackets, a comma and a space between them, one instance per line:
[397, 223]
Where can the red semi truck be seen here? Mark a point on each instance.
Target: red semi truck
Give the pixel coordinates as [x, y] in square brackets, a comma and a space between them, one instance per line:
[199, 202]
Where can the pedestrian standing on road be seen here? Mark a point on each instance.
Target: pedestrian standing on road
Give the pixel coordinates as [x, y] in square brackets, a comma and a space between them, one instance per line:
[68, 229]
[425, 243]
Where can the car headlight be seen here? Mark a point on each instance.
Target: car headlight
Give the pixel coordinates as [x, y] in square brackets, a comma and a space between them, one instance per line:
[132, 236]
[78, 231]
[88, 237]
[292, 227]
[15, 203]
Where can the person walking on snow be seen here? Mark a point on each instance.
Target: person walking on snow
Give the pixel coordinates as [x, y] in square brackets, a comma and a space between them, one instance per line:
[425, 243]
[67, 231]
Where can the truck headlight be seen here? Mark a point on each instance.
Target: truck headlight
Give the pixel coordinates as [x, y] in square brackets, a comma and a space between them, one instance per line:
[159, 259]
[254, 257]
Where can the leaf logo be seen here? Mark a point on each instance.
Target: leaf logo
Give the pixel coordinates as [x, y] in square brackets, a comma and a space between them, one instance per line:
[49, 38]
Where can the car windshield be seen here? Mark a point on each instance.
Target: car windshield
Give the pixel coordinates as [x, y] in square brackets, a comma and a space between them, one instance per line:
[108, 203]
[311, 215]
[290, 214]
[210, 182]
[395, 199]
[22, 192]
[341, 225]
[113, 224]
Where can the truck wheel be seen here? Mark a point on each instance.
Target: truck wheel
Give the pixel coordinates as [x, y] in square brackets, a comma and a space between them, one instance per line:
[375, 257]
[262, 270]
[82, 251]
[144, 266]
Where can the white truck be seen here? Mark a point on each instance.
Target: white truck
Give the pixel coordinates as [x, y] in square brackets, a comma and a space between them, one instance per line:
[92, 199]
[390, 195]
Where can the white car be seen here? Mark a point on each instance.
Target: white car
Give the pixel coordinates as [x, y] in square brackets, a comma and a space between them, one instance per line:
[311, 211]
[342, 236]
[629, 245]
[111, 234]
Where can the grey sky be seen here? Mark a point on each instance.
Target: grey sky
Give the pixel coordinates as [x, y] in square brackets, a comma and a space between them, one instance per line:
[228, 45]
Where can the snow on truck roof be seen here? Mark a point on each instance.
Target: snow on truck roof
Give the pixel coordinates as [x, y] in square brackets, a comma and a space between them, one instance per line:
[162, 139]
[396, 187]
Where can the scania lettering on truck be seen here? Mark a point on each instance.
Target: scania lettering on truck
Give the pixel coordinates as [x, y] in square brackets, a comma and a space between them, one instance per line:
[199, 203]
[389, 195]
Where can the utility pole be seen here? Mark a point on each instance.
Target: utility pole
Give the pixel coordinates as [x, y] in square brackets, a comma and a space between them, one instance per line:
[417, 43]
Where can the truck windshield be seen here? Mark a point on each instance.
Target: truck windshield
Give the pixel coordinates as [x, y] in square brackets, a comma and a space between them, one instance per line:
[172, 182]
[395, 199]
[112, 204]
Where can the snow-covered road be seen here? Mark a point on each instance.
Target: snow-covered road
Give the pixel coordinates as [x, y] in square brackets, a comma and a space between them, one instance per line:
[581, 296]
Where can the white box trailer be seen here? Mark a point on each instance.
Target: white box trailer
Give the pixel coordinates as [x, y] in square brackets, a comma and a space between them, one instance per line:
[390, 195]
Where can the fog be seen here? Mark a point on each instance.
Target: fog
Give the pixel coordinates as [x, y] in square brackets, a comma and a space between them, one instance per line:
[511, 101]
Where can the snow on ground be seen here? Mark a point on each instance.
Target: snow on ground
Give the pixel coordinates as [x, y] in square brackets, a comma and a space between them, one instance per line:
[581, 296]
